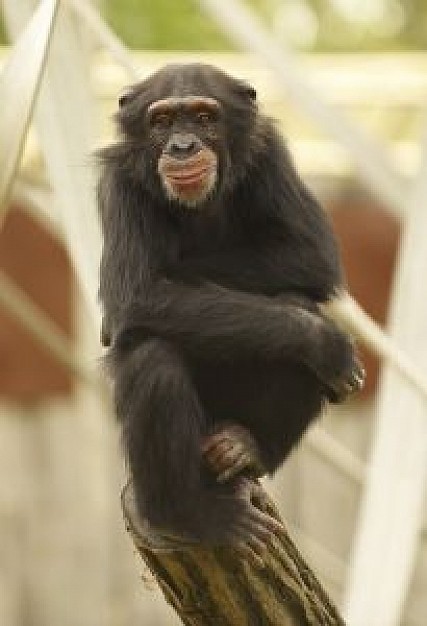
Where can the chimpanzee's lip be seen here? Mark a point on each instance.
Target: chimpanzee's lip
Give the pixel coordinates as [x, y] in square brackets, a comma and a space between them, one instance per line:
[188, 174]
[189, 178]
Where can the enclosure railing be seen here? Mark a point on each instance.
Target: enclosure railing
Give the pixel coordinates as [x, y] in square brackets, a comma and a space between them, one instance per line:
[392, 509]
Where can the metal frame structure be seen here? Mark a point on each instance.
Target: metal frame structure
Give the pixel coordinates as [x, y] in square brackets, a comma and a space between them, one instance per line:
[392, 509]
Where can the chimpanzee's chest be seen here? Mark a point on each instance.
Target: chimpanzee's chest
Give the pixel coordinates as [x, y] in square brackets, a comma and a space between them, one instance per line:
[200, 234]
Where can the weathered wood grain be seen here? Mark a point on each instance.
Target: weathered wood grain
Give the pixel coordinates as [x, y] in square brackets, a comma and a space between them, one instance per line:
[215, 587]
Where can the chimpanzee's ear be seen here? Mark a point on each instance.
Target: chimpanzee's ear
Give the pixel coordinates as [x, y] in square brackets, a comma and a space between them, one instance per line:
[251, 91]
[246, 90]
[125, 98]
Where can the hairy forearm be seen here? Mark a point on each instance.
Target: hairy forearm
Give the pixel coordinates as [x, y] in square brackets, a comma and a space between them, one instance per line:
[270, 271]
[247, 272]
[223, 323]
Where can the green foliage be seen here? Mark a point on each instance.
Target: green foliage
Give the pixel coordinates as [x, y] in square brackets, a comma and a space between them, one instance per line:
[414, 33]
[3, 37]
[182, 25]
[403, 27]
[163, 24]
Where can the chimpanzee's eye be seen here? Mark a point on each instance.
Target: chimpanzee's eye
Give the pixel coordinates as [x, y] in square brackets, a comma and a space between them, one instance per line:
[163, 119]
[204, 116]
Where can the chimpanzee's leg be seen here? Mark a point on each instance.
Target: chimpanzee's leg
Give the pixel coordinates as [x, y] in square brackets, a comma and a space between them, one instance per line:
[163, 426]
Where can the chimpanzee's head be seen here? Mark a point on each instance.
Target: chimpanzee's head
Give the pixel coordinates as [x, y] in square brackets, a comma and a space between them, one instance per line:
[190, 131]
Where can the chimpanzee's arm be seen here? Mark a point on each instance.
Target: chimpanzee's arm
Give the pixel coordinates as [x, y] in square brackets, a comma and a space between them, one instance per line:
[293, 250]
[270, 268]
[220, 324]
[206, 320]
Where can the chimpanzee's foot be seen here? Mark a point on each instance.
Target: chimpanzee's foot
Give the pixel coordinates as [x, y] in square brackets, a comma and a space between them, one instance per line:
[254, 529]
[232, 451]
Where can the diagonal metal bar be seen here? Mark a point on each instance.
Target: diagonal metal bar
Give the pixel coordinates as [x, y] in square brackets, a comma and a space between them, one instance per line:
[106, 36]
[370, 158]
[65, 121]
[20, 82]
[22, 308]
[19, 85]
[346, 310]
[329, 448]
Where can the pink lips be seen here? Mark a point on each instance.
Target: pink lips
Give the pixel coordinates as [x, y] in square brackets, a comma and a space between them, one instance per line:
[189, 179]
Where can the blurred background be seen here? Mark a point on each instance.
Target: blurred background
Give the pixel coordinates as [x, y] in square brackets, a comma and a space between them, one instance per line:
[347, 82]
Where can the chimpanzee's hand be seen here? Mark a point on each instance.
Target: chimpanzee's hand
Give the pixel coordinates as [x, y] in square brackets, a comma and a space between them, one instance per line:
[230, 451]
[334, 357]
[340, 369]
[348, 384]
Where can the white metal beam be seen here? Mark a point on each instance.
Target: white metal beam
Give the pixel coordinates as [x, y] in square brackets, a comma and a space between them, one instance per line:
[76, 445]
[18, 304]
[19, 84]
[65, 121]
[106, 36]
[392, 510]
[371, 160]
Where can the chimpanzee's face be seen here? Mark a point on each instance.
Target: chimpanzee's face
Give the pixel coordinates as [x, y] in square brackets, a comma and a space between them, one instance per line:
[191, 122]
[187, 129]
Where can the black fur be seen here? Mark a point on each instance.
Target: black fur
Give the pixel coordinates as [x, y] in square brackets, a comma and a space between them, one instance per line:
[212, 312]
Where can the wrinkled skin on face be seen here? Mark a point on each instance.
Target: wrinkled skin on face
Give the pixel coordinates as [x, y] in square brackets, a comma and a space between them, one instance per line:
[189, 182]
[183, 145]
[187, 166]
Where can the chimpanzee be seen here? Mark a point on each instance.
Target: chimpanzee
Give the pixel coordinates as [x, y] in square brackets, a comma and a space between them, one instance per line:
[216, 260]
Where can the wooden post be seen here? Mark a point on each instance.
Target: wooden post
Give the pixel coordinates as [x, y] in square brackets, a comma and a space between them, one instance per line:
[212, 586]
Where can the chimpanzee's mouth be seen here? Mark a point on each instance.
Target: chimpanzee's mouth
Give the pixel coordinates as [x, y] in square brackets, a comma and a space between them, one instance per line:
[189, 181]
[189, 178]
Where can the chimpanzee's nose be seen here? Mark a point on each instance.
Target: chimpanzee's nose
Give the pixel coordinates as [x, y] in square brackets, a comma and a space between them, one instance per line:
[183, 145]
